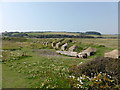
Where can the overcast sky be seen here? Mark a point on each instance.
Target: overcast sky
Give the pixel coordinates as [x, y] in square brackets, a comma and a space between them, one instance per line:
[59, 16]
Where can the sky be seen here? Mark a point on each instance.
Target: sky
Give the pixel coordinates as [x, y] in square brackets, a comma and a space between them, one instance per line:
[59, 16]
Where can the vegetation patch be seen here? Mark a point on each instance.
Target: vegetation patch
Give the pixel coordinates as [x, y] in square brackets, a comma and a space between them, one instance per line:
[33, 63]
[99, 65]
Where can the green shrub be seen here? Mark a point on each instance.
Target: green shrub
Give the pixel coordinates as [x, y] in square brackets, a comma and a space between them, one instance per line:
[99, 64]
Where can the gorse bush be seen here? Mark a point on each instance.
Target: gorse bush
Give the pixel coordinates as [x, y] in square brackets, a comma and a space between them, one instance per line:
[100, 64]
[99, 81]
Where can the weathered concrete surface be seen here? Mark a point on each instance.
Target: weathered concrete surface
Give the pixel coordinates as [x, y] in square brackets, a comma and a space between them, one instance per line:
[89, 51]
[53, 44]
[57, 45]
[63, 47]
[72, 48]
[68, 53]
[113, 54]
[82, 55]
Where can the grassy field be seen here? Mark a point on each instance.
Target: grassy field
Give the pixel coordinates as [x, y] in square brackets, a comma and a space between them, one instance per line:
[72, 33]
[27, 63]
[48, 33]
[105, 35]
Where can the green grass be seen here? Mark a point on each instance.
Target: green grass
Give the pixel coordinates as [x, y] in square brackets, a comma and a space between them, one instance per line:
[12, 79]
[48, 33]
[107, 35]
[44, 68]
[110, 43]
[39, 70]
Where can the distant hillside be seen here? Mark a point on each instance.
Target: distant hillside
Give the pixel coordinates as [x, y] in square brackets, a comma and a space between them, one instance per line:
[48, 33]
[57, 35]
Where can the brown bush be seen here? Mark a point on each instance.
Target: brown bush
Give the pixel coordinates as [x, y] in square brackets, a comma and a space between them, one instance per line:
[99, 64]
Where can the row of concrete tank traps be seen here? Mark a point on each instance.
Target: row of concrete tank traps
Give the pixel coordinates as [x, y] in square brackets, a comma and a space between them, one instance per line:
[90, 51]
[62, 46]
[54, 44]
[84, 54]
[57, 45]
[43, 43]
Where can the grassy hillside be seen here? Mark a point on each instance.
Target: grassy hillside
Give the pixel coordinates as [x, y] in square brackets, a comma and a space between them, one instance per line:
[27, 63]
[59, 35]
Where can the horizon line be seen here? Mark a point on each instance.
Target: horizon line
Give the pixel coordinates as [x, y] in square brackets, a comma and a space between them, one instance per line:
[59, 31]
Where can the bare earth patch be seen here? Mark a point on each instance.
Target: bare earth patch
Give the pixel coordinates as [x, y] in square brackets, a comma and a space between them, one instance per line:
[46, 52]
